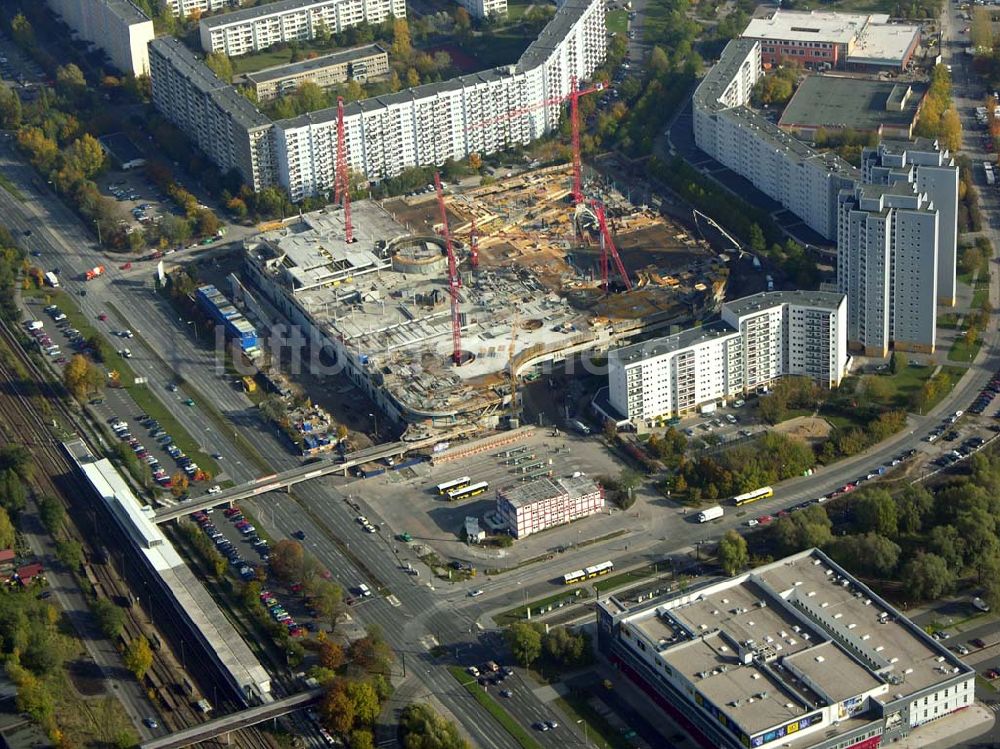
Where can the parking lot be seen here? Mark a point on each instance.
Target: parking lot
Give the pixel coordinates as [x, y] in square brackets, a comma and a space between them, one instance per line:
[18, 69]
[406, 501]
[137, 195]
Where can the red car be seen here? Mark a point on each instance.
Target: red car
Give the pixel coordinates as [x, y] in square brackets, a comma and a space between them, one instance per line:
[296, 587]
[764, 519]
[127, 266]
[102, 317]
[991, 674]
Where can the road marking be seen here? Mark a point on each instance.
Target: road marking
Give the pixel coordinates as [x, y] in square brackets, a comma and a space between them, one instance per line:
[393, 601]
[429, 642]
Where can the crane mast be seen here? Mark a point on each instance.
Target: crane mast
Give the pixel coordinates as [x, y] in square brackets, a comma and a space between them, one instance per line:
[454, 282]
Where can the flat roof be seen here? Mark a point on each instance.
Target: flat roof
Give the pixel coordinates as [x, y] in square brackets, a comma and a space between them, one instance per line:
[554, 33]
[714, 331]
[317, 63]
[766, 299]
[840, 102]
[883, 43]
[819, 26]
[783, 640]
[190, 595]
[540, 490]
[261, 11]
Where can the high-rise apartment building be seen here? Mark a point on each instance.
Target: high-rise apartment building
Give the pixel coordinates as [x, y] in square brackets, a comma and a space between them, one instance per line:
[933, 171]
[802, 179]
[887, 266]
[218, 119]
[253, 29]
[480, 113]
[759, 339]
[185, 8]
[116, 26]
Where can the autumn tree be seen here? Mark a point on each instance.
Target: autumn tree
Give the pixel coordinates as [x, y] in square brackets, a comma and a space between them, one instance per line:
[70, 80]
[138, 656]
[287, 559]
[733, 552]
[85, 155]
[220, 64]
[950, 133]
[336, 710]
[81, 377]
[179, 483]
[401, 44]
[331, 655]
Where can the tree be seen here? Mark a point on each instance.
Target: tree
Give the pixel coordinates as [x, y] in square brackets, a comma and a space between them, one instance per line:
[50, 511]
[177, 230]
[370, 653]
[208, 224]
[85, 155]
[412, 78]
[422, 728]
[757, 242]
[362, 738]
[70, 553]
[21, 29]
[337, 709]
[875, 510]
[70, 80]
[401, 44]
[287, 558]
[564, 647]
[138, 656]
[7, 532]
[897, 363]
[328, 600]
[927, 576]
[525, 642]
[877, 389]
[870, 554]
[733, 553]
[366, 702]
[221, 65]
[915, 505]
[331, 655]
[110, 618]
[10, 109]
[951, 130]
[81, 377]
[179, 483]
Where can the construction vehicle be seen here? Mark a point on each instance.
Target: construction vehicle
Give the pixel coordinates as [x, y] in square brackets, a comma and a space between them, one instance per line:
[91, 274]
[249, 384]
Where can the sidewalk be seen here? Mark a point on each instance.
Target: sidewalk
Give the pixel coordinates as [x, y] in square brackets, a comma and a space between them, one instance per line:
[951, 731]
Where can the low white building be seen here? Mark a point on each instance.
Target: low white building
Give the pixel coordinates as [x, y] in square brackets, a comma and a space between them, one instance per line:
[484, 8]
[759, 339]
[185, 8]
[254, 29]
[116, 26]
[546, 502]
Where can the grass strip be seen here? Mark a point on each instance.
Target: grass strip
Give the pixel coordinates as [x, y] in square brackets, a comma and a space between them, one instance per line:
[961, 350]
[207, 407]
[616, 21]
[600, 733]
[518, 613]
[511, 726]
[10, 187]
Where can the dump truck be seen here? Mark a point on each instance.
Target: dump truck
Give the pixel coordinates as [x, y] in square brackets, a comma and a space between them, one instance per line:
[97, 270]
[52, 280]
[710, 513]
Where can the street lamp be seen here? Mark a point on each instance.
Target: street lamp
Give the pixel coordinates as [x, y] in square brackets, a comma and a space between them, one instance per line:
[586, 737]
[374, 418]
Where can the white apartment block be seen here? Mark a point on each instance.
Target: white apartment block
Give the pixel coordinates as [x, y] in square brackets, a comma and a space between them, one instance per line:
[116, 26]
[185, 8]
[759, 339]
[935, 173]
[887, 266]
[254, 29]
[803, 180]
[484, 8]
[545, 503]
[481, 113]
[219, 120]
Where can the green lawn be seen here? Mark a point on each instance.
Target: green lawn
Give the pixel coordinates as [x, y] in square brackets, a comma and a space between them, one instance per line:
[259, 61]
[515, 729]
[907, 382]
[617, 21]
[949, 320]
[980, 294]
[962, 351]
[517, 613]
[516, 11]
[10, 187]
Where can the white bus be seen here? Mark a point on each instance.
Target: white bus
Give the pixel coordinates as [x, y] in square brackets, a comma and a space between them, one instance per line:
[447, 486]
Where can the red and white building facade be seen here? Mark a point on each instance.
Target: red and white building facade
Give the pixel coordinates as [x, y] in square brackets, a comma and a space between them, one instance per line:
[546, 502]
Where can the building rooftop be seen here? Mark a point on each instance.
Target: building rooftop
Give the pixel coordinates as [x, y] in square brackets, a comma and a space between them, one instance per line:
[127, 11]
[260, 11]
[883, 44]
[668, 344]
[317, 63]
[803, 298]
[190, 595]
[818, 26]
[788, 638]
[553, 34]
[207, 82]
[840, 102]
[532, 492]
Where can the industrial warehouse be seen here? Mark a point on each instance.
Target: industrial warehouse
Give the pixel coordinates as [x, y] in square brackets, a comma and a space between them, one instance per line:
[796, 653]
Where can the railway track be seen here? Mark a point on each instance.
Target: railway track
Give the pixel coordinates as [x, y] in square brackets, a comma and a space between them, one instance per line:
[29, 393]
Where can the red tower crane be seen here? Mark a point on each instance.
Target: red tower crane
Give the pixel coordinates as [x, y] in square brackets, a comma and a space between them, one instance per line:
[474, 245]
[608, 248]
[574, 118]
[454, 282]
[343, 181]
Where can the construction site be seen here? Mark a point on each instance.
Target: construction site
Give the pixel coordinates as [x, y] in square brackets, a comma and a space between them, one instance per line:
[438, 299]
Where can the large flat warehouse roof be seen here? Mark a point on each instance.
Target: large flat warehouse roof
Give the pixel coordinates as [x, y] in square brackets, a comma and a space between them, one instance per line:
[839, 102]
[814, 26]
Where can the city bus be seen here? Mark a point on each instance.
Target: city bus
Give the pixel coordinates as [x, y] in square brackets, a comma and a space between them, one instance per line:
[588, 572]
[745, 499]
[468, 491]
[447, 486]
